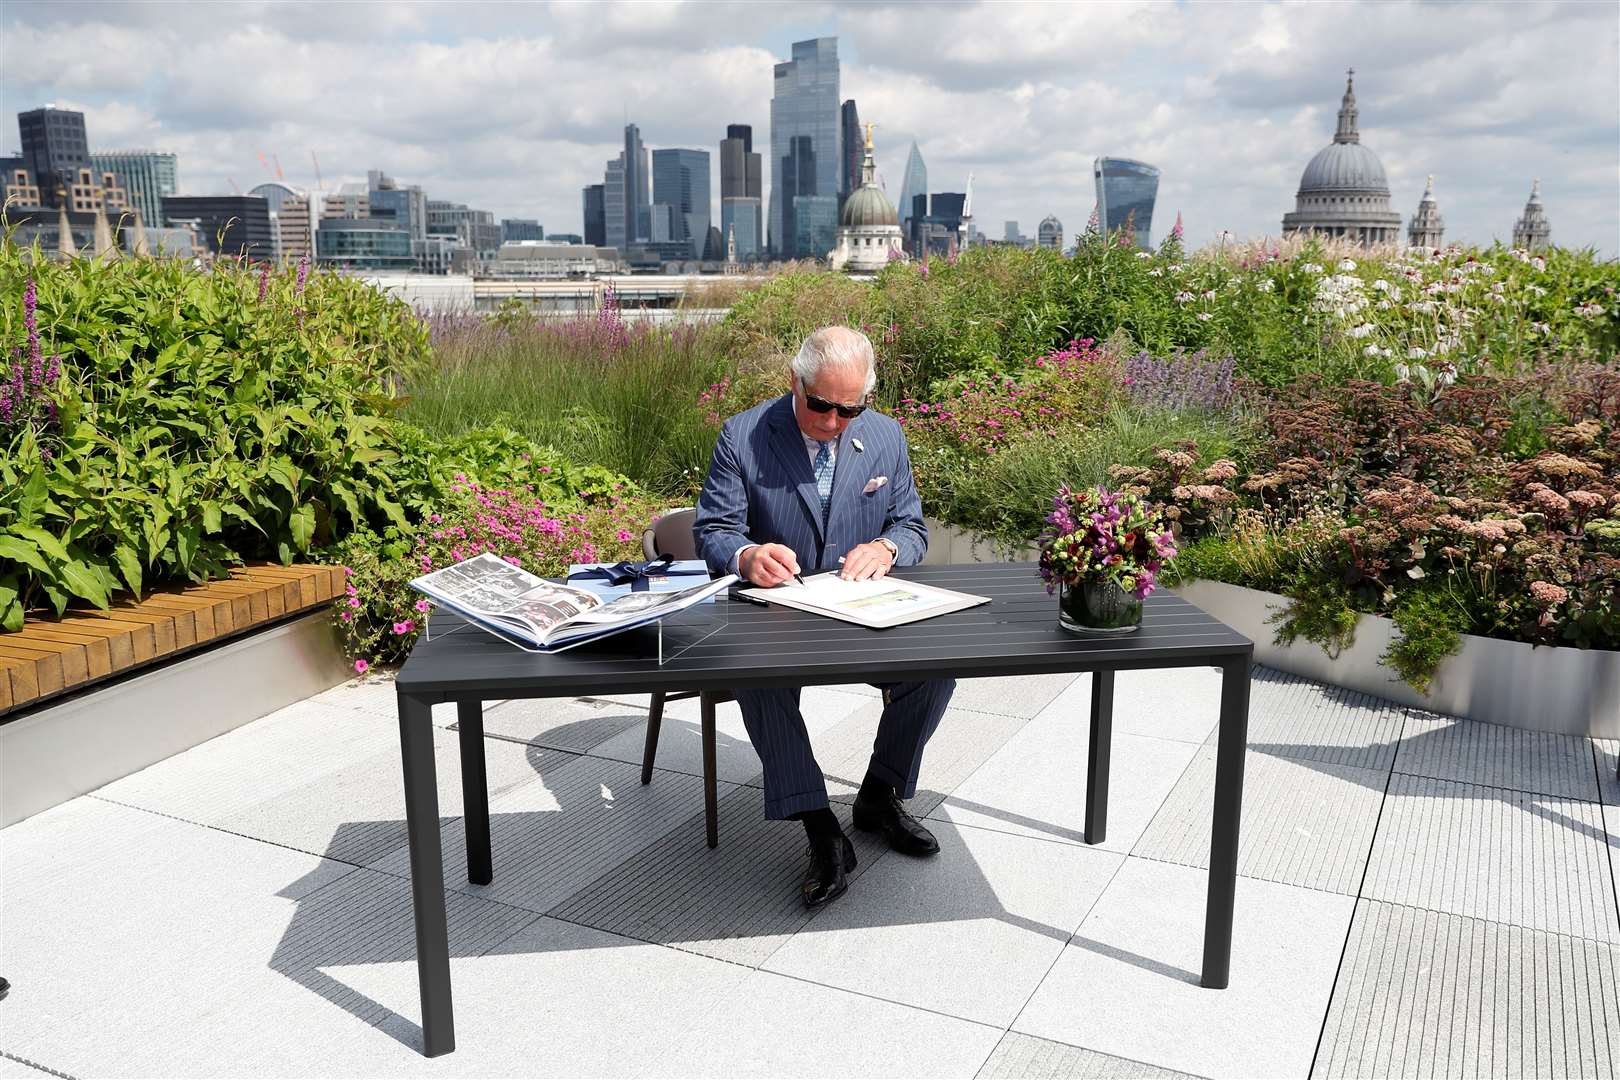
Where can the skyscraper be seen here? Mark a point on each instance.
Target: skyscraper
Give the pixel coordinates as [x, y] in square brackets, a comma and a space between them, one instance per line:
[805, 151]
[54, 147]
[681, 180]
[850, 176]
[595, 230]
[915, 183]
[1125, 193]
[613, 200]
[740, 194]
[147, 175]
[636, 185]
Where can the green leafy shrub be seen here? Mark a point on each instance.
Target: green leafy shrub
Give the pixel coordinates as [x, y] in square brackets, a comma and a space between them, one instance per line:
[196, 420]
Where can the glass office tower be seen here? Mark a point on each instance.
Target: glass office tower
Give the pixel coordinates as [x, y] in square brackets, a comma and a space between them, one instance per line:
[740, 194]
[146, 175]
[680, 180]
[914, 184]
[806, 149]
[1126, 190]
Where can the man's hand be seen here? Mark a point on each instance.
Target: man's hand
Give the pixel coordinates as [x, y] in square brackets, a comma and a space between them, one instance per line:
[866, 561]
[768, 565]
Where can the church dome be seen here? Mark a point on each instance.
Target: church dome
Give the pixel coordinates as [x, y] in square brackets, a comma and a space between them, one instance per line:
[1344, 166]
[867, 206]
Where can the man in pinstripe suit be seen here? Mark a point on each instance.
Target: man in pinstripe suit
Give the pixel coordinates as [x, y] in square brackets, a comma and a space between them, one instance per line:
[814, 481]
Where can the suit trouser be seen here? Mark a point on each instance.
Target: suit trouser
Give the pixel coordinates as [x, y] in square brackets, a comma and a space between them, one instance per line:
[793, 780]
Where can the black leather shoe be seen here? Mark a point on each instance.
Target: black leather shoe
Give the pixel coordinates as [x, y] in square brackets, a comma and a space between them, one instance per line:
[888, 816]
[831, 860]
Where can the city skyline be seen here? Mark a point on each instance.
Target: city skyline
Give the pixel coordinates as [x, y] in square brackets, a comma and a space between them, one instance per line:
[1228, 108]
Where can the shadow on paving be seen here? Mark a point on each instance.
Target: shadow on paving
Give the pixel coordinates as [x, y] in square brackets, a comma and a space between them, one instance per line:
[1442, 741]
[739, 902]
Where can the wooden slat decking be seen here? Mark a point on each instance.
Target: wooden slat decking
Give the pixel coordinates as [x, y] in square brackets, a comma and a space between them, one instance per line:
[53, 656]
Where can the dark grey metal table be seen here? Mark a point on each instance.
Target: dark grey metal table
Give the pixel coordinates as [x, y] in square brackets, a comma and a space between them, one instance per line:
[1015, 634]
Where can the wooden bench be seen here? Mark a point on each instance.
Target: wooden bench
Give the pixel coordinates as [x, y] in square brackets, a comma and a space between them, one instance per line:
[49, 657]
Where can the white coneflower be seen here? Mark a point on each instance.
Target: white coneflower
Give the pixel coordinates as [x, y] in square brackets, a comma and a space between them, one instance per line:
[1347, 264]
[1364, 330]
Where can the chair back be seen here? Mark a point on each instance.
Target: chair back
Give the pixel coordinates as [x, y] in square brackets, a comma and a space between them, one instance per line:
[671, 534]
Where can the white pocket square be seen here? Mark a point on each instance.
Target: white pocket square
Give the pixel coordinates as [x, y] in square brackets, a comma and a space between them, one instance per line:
[873, 484]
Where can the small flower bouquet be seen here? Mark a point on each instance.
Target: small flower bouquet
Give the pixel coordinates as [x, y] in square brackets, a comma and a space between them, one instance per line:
[1102, 555]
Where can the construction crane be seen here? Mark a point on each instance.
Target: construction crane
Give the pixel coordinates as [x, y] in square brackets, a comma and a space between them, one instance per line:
[279, 174]
[264, 164]
[234, 185]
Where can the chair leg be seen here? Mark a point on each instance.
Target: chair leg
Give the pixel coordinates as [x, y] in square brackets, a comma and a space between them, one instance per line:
[711, 806]
[655, 718]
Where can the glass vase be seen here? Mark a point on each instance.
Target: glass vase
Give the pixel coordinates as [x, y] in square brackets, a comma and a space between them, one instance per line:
[1098, 608]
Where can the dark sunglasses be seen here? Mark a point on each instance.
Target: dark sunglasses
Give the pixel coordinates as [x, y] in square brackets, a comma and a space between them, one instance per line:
[822, 405]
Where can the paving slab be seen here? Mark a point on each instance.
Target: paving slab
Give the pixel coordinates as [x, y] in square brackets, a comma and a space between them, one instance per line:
[549, 1000]
[1018, 1056]
[1291, 716]
[373, 695]
[1494, 853]
[19, 1068]
[315, 778]
[572, 724]
[775, 1026]
[963, 741]
[999, 906]
[680, 737]
[1425, 993]
[1447, 748]
[1306, 823]
[738, 902]
[1035, 785]
[225, 934]
[1128, 983]
[1009, 695]
[553, 837]
[1607, 754]
[1169, 703]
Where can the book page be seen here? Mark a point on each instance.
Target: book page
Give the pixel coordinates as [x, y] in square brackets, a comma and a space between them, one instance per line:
[489, 585]
[878, 599]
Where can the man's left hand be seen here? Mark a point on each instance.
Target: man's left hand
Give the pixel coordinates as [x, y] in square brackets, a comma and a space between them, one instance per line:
[866, 561]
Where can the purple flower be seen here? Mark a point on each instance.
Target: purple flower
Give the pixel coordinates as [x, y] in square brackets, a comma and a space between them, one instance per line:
[303, 275]
[264, 282]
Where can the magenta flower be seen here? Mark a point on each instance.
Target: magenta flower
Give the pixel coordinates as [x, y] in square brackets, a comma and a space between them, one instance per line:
[361, 667]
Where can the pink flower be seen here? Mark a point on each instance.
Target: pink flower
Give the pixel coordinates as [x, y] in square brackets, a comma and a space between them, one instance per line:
[354, 601]
[403, 628]
[422, 606]
[1545, 592]
[361, 667]
[624, 536]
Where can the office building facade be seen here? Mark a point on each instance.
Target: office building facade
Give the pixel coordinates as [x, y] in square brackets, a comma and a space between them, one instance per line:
[406, 206]
[1126, 191]
[637, 185]
[364, 244]
[741, 190]
[54, 149]
[616, 235]
[914, 183]
[595, 223]
[147, 177]
[516, 230]
[681, 182]
[850, 172]
[228, 225]
[806, 151]
[1050, 233]
[290, 221]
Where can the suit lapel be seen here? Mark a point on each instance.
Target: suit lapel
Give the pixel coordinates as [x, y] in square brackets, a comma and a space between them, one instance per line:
[788, 443]
[851, 468]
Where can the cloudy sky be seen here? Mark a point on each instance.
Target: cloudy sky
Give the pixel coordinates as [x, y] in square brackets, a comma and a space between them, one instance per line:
[514, 107]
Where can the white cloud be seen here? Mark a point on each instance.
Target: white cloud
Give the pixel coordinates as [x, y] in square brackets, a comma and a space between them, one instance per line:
[514, 107]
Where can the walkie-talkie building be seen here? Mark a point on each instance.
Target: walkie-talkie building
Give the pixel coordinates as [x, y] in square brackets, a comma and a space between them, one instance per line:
[1125, 192]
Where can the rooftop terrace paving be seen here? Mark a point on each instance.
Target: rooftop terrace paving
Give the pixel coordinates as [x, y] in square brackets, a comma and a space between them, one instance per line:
[1418, 896]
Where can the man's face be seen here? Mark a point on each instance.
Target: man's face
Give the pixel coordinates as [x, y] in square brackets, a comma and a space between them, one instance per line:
[843, 386]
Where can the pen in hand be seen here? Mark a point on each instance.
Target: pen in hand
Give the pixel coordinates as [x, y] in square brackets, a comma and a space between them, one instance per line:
[800, 580]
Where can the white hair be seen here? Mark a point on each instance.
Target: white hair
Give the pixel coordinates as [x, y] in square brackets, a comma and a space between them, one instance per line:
[835, 347]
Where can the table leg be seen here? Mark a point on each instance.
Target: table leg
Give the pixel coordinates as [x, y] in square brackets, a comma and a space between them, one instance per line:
[427, 875]
[474, 791]
[711, 798]
[1098, 754]
[1228, 816]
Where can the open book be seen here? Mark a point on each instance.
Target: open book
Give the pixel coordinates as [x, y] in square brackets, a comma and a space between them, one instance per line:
[515, 605]
[877, 602]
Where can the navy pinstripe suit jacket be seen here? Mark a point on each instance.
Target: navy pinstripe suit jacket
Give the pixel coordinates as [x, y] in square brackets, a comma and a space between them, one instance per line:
[761, 489]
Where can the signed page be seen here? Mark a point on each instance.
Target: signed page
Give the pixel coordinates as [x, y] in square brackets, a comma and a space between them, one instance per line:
[878, 603]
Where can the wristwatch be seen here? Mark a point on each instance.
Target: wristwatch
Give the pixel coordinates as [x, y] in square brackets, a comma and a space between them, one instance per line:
[894, 549]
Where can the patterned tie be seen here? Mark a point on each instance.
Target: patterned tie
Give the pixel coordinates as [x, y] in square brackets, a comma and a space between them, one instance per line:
[824, 475]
